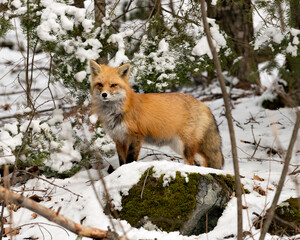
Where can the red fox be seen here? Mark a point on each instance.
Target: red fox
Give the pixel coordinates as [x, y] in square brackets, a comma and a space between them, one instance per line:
[175, 119]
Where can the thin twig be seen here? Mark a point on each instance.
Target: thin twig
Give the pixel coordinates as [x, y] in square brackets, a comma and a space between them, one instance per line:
[262, 18]
[144, 184]
[21, 147]
[97, 195]
[271, 150]
[180, 17]
[253, 134]
[229, 121]
[247, 212]
[12, 69]
[161, 154]
[256, 147]
[52, 215]
[282, 178]
[42, 223]
[148, 19]
[2, 219]
[36, 112]
[267, 187]
[43, 179]
[109, 201]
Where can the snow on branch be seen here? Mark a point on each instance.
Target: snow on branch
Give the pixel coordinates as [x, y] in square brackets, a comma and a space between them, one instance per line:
[86, 231]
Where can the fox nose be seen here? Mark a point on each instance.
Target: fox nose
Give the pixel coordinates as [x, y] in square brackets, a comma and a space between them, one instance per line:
[104, 95]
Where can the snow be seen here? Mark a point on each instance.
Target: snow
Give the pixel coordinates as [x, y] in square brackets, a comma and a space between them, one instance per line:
[252, 123]
[218, 39]
[292, 49]
[163, 46]
[57, 117]
[272, 127]
[80, 76]
[62, 161]
[120, 57]
[93, 118]
[119, 182]
[11, 128]
[202, 48]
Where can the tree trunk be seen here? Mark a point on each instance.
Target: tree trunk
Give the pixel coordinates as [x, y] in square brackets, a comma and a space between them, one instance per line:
[292, 73]
[79, 3]
[100, 13]
[99, 6]
[235, 18]
[295, 13]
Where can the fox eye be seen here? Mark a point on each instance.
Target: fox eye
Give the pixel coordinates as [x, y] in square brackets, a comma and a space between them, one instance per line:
[99, 84]
[114, 85]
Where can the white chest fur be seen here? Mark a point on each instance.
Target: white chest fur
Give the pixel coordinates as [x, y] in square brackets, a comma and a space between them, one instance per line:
[111, 114]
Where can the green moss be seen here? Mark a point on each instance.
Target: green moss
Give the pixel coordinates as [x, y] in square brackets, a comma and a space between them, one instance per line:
[166, 207]
[286, 220]
[289, 212]
[228, 182]
[209, 177]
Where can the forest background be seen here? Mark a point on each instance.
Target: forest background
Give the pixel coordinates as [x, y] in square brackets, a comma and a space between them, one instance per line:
[46, 47]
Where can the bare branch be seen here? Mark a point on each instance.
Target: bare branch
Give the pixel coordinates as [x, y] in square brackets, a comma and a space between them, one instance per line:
[229, 121]
[53, 216]
[285, 169]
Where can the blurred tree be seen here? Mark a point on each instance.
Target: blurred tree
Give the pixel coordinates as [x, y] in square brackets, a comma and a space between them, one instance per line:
[100, 7]
[291, 72]
[100, 13]
[79, 3]
[235, 18]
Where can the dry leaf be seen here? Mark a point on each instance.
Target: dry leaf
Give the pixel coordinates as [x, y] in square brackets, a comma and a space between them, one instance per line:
[36, 198]
[10, 231]
[4, 220]
[13, 207]
[5, 107]
[258, 178]
[259, 190]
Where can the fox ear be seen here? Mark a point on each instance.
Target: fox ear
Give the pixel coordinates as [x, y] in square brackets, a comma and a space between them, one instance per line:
[124, 71]
[95, 68]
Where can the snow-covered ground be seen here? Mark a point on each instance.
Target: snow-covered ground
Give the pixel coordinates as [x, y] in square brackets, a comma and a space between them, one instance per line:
[271, 128]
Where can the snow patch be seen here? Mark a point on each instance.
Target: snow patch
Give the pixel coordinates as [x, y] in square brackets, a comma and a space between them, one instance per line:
[80, 76]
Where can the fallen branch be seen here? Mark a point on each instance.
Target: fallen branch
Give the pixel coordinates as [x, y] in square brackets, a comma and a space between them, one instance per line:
[271, 150]
[85, 231]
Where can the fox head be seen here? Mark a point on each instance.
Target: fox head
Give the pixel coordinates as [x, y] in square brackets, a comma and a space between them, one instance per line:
[109, 84]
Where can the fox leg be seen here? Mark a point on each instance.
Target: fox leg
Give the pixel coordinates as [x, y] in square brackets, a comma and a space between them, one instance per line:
[189, 153]
[122, 149]
[134, 150]
[210, 149]
[212, 157]
[129, 151]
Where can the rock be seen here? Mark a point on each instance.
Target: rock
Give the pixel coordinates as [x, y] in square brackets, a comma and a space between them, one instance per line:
[286, 219]
[212, 195]
[188, 203]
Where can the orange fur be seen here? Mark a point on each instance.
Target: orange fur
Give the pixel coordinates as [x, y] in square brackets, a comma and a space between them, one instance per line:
[174, 119]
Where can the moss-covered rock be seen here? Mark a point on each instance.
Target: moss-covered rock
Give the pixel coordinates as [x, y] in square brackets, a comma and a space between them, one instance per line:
[183, 204]
[286, 219]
